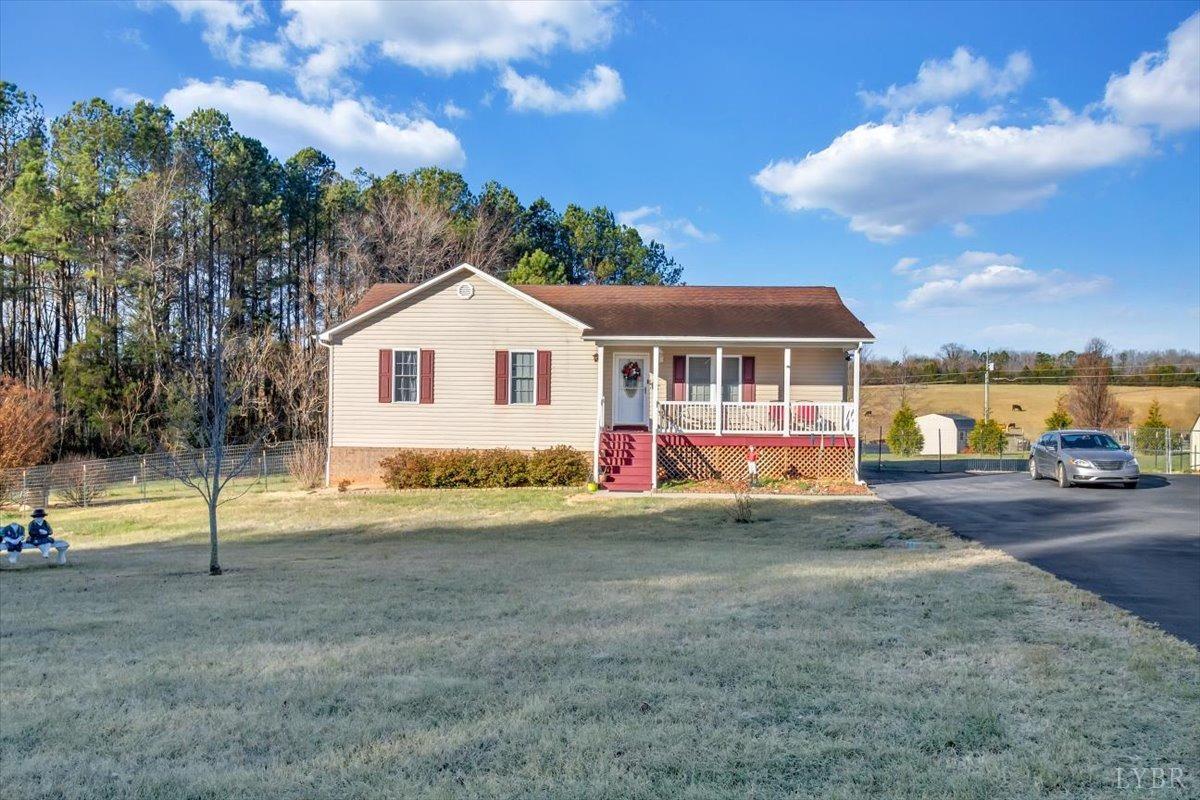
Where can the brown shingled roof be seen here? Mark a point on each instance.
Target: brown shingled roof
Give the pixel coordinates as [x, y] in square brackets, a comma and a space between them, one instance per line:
[377, 295]
[784, 312]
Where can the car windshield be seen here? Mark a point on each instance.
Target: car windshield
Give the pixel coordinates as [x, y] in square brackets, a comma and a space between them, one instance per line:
[1089, 441]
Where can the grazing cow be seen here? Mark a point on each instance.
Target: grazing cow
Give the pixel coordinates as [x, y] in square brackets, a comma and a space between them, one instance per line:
[1017, 407]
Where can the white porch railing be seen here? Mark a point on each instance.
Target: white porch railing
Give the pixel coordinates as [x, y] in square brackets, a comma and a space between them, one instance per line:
[755, 418]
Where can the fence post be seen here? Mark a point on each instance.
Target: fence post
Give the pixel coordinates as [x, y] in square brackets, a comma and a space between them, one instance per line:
[880, 449]
[1167, 434]
[939, 450]
[263, 463]
[142, 478]
[24, 487]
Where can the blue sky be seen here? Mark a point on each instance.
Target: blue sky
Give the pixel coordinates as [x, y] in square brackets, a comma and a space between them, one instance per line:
[997, 175]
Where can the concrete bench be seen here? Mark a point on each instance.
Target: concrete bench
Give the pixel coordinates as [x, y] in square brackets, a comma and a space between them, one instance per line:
[44, 549]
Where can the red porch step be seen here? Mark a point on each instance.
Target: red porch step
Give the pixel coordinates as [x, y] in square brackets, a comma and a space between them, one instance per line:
[626, 458]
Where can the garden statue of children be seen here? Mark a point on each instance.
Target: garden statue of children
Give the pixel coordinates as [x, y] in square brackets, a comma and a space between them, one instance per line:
[39, 534]
[12, 540]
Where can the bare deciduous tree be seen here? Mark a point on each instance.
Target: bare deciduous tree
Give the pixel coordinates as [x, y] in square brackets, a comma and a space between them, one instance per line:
[1090, 403]
[200, 457]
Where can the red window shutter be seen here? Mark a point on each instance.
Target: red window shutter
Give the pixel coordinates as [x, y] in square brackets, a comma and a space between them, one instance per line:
[385, 376]
[747, 379]
[679, 378]
[543, 377]
[501, 377]
[426, 376]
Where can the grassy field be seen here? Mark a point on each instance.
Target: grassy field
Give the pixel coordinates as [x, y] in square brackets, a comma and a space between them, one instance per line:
[1180, 404]
[540, 643]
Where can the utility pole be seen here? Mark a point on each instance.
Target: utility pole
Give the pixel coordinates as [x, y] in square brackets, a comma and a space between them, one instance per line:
[987, 374]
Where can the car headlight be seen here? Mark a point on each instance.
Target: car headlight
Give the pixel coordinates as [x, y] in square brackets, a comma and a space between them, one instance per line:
[1083, 462]
[1132, 463]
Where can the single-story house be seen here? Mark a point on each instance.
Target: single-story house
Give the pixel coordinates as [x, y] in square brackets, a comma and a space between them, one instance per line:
[953, 430]
[654, 382]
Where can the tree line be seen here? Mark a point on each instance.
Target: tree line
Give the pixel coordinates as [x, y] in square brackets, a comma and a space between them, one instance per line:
[130, 240]
[956, 363]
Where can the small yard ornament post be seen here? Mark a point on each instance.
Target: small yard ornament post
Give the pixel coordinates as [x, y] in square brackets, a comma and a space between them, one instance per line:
[752, 464]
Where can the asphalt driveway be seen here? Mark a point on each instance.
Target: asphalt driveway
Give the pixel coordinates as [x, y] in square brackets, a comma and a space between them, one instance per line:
[1139, 550]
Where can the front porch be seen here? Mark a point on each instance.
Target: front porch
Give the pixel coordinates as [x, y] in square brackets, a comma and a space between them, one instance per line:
[692, 411]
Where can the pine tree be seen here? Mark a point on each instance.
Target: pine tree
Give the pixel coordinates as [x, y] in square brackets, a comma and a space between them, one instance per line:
[904, 437]
[1151, 433]
[1059, 419]
[987, 437]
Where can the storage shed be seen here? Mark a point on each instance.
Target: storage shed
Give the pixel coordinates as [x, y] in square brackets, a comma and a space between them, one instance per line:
[954, 430]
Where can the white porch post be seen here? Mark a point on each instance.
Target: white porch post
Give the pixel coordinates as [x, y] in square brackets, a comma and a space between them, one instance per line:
[599, 412]
[717, 394]
[654, 419]
[857, 425]
[787, 391]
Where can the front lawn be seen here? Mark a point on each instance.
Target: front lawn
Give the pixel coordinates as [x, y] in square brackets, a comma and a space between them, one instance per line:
[540, 643]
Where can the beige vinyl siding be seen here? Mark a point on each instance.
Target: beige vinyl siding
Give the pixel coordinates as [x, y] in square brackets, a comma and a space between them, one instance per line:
[819, 374]
[464, 334]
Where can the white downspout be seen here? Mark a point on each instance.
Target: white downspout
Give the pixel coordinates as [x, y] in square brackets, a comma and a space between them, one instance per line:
[599, 412]
[328, 411]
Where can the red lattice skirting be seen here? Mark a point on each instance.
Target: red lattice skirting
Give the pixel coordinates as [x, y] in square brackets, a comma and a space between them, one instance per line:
[692, 458]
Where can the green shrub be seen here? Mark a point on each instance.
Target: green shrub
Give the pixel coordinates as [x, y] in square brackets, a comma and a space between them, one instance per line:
[987, 437]
[452, 468]
[558, 466]
[499, 468]
[904, 437]
[408, 469]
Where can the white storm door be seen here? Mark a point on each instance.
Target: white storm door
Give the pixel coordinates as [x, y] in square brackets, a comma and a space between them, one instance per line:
[629, 390]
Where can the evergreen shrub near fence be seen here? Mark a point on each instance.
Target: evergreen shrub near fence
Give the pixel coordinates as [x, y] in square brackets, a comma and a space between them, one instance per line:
[499, 468]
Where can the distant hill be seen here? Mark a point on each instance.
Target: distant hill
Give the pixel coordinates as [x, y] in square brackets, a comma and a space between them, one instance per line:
[1180, 404]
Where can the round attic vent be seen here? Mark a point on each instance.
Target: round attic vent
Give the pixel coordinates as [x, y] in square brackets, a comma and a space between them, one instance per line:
[465, 290]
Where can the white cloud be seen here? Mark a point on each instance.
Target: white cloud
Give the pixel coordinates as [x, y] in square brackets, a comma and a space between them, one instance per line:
[598, 90]
[127, 97]
[977, 279]
[452, 110]
[895, 178]
[669, 231]
[441, 37]
[962, 74]
[129, 36]
[353, 134]
[1162, 88]
[224, 23]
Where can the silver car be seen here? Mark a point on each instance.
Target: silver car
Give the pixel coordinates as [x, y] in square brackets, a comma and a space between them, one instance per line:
[1078, 457]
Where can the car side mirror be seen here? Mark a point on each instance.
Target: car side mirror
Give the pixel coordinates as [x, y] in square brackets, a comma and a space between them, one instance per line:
[1125, 447]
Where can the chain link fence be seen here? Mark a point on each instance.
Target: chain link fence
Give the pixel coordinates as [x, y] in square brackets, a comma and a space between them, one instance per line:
[1158, 450]
[86, 481]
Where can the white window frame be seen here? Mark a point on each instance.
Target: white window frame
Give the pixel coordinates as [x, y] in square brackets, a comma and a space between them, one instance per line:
[714, 391]
[417, 396]
[512, 375]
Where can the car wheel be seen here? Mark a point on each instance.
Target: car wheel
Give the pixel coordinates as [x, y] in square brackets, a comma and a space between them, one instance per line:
[1061, 474]
[1131, 484]
[1033, 470]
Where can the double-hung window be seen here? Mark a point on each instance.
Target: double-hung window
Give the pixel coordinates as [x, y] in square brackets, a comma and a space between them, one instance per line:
[522, 377]
[405, 376]
[701, 380]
